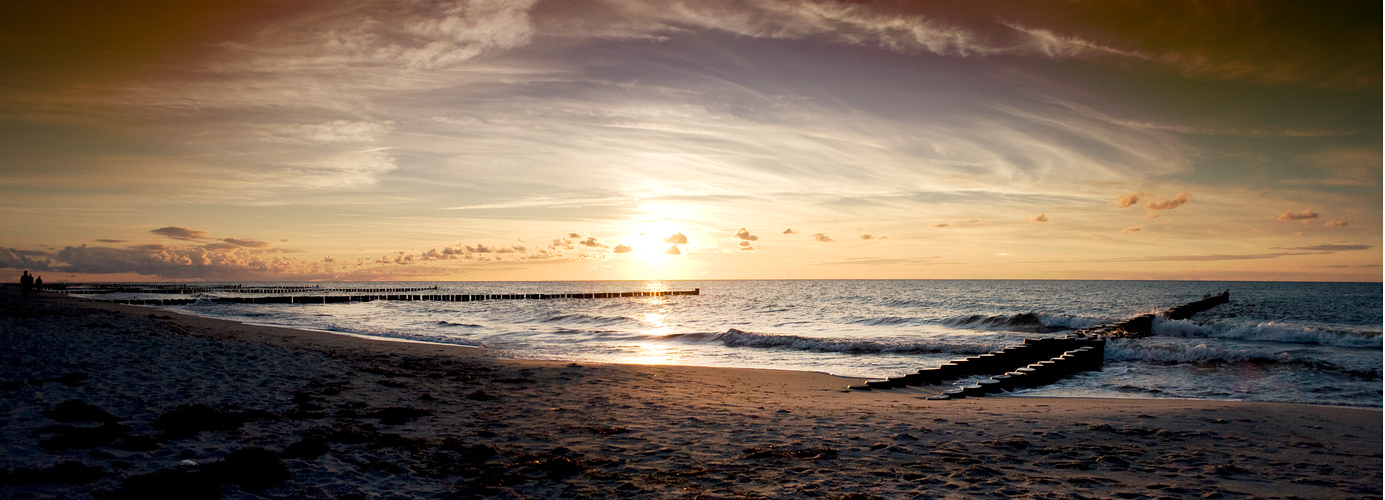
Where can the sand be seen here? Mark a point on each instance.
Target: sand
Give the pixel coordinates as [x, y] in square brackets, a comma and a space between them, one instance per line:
[175, 406]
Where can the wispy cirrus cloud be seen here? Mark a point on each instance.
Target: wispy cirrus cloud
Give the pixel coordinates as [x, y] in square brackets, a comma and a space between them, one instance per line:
[1332, 248]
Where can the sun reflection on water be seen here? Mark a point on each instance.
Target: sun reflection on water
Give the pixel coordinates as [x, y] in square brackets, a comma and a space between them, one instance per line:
[653, 351]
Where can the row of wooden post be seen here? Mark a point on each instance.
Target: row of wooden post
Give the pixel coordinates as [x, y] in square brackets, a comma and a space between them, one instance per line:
[336, 299]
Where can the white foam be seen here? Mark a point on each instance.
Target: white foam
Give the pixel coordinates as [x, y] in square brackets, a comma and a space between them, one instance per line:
[1267, 331]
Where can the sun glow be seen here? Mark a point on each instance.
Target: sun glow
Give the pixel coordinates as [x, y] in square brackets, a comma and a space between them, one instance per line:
[657, 245]
[650, 248]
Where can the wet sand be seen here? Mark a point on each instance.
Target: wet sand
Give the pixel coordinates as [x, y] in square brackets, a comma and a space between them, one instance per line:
[174, 406]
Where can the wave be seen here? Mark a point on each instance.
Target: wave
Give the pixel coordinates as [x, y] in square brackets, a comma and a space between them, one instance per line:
[1202, 354]
[1268, 331]
[1032, 322]
[588, 319]
[467, 325]
[882, 321]
[738, 338]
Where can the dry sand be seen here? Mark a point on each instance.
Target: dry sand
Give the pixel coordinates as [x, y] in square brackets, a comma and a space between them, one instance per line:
[185, 407]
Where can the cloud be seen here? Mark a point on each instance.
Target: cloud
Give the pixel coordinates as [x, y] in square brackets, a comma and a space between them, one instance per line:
[1040, 218]
[1133, 229]
[1275, 43]
[103, 240]
[246, 243]
[417, 36]
[621, 248]
[34, 260]
[1197, 258]
[1331, 248]
[673, 250]
[1304, 216]
[873, 237]
[591, 242]
[822, 237]
[182, 233]
[790, 231]
[883, 261]
[460, 251]
[187, 263]
[939, 225]
[677, 239]
[1169, 204]
[745, 246]
[1335, 223]
[574, 235]
[746, 236]
[1127, 200]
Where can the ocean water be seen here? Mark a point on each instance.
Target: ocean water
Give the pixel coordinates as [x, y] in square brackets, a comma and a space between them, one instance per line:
[1316, 343]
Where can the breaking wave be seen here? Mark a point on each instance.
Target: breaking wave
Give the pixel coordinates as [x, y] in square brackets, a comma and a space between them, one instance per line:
[1035, 322]
[1202, 354]
[1268, 331]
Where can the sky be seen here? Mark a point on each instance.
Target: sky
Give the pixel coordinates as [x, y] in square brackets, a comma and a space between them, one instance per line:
[191, 140]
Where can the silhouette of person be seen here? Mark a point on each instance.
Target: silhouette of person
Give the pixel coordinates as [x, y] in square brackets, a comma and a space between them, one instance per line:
[38, 284]
[26, 284]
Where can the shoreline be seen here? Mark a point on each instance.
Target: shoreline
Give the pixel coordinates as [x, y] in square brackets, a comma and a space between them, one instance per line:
[450, 421]
[846, 380]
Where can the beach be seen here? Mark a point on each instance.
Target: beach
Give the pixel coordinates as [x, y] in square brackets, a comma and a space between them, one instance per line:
[175, 406]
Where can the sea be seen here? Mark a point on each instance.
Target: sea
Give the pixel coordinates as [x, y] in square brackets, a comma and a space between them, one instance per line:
[1312, 343]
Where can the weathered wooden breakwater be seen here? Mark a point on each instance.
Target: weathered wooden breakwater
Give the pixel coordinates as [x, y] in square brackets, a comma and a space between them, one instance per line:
[337, 299]
[1038, 361]
[100, 288]
[1139, 327]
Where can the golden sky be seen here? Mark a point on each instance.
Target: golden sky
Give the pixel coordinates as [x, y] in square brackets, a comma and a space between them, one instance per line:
[630, 139]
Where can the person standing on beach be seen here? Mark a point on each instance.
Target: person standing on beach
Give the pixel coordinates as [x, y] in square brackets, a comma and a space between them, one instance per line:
[38, 284]
[26, 282]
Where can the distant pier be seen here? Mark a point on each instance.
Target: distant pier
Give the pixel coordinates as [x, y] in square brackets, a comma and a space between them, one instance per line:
[1039, 361]
[369, 295]
[180, 289]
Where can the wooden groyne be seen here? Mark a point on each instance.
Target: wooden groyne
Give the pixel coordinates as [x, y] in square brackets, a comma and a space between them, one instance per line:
[338, 299]
[76, 288]
[1140, 326]
[1038, 361]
